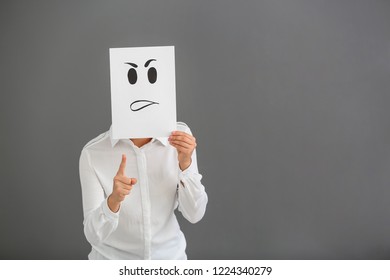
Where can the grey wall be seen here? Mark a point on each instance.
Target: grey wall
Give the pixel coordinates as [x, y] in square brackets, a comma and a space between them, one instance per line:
[288, 100]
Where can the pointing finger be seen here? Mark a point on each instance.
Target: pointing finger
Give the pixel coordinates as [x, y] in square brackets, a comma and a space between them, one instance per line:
[122, 167]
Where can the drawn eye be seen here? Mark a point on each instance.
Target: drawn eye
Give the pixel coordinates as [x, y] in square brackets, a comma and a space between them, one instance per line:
[152, 75]
[132, 76]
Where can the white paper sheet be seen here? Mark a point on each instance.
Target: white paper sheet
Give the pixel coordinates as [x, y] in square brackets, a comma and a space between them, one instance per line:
[143, 92]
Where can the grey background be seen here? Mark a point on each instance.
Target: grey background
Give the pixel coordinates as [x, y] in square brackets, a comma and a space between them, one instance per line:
[288, 101]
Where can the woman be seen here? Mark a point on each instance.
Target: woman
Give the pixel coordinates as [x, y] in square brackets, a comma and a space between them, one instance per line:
[130, 189]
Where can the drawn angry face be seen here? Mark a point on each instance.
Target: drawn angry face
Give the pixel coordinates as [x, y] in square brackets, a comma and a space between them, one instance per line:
[132, 77]
[143, 91]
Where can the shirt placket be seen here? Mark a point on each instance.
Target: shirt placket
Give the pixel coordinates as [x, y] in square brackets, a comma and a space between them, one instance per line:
[145, 201]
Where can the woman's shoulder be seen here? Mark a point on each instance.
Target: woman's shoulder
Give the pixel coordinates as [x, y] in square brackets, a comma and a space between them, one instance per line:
[101, 139]
[181, 126]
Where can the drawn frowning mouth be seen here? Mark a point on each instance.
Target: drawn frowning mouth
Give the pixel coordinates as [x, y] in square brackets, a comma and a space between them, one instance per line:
[141, 104]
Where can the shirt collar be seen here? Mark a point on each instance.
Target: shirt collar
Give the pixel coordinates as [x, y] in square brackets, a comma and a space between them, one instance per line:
[113, 141]
[162, 140]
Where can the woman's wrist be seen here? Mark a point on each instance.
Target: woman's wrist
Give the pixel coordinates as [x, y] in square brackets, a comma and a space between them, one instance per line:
[114, 206]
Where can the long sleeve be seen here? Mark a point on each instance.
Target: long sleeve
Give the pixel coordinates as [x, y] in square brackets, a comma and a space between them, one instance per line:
[192, 196]
[99, 220]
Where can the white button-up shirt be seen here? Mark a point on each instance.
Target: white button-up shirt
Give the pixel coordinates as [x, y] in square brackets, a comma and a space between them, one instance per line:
[145, 227]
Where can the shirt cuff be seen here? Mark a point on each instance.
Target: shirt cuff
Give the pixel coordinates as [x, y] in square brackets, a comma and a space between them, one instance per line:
[184, 173]
[107, 211]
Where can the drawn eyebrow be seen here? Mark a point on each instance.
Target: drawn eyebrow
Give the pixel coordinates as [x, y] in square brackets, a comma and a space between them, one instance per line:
[147, 62]
[132, 64]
